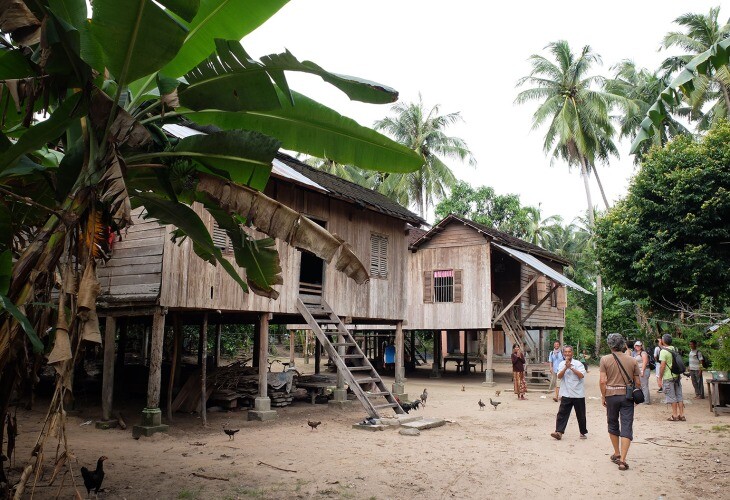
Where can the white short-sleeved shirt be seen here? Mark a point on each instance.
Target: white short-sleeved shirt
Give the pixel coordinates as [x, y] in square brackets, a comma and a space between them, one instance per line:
[572, 386]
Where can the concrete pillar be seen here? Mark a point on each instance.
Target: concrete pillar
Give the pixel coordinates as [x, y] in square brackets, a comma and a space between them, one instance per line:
[151, 415]
[399, 383]
[489, 372]
[262, 404]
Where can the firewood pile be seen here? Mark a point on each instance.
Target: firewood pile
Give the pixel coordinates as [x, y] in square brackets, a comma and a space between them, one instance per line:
[232, 386]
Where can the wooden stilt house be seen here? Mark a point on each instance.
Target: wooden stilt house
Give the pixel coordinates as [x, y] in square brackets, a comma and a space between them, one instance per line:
[159, 282]
[480, 290]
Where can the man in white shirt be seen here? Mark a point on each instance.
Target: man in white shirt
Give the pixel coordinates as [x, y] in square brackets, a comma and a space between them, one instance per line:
[571, 372]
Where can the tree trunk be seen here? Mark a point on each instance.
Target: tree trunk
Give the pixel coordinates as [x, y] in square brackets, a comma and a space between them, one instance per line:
[591, 222]
[600, 187]
[599, 313]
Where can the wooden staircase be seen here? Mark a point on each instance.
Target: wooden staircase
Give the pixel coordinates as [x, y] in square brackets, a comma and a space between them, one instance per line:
[318, 314]
[519, 336]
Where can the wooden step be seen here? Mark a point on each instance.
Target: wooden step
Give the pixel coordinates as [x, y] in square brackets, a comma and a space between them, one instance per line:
[378, 394]
[359, 368]
[366, 380]
[352, 356]
[343, 344]
[389, 405]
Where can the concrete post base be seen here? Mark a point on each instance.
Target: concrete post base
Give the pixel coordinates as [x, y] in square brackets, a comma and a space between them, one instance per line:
[435, 374]
[399, 390]
[262, 410]
[340, 398]
[151, 423]
[489, 378]
[106, 424]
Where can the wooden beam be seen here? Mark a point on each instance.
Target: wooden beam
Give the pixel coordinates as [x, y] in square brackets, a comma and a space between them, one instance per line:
[515, 299]
[542, 300]
[155, 374]
[263, 334]
[204, 369]
[107, 389]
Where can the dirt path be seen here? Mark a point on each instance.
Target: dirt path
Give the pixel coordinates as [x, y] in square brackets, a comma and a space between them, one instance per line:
[482, 454]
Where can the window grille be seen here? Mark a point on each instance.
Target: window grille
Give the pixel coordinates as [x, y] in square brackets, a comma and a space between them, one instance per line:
[443, 285]
[378, 256]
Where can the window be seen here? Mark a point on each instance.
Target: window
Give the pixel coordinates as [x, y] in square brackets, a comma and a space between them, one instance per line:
[443, 285]
[378, 256]
[220, 238]
[533, 290]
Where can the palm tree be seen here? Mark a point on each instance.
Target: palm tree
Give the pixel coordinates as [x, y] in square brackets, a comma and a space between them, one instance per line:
[424, 132]
[539, 230]
[701, 31]
[348, 172]
[580, 130]
[640, 89]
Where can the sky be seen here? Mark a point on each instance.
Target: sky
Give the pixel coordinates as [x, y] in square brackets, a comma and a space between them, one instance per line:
[466, 56]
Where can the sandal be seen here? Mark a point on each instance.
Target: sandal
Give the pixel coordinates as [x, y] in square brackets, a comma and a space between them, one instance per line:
[682, 418]
[557, 435]
[623, 466]
[673, 419]
[615, 458]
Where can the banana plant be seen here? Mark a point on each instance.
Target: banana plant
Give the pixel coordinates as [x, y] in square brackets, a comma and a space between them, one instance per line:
[82, 104]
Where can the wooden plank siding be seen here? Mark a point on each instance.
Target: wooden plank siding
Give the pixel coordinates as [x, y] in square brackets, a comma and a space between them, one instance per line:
[546, 315]
[190, 283]
[134, 272]
[474, 312]
[455, 235]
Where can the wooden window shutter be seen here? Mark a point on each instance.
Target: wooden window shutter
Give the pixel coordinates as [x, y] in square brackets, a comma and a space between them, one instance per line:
[458, 285]
[427, 287]
[533, 289]
[562, 297]
[220, 238]
[383, 256]
[374, 252]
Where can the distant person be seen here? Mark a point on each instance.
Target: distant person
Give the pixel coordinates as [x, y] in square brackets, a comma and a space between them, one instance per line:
[657, 351]
[642, 359]
[572, 394]
[555, 358]
[696, 360]
[619, 410]
[518, 372]
[584, 357]
[671, 382]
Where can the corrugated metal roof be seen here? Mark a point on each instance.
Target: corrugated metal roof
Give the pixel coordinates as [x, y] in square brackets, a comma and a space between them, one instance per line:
[540, 267]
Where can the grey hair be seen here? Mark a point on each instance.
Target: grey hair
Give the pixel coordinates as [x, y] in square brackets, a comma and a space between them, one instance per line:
[566, 346]
[616, 342]
[667, 339]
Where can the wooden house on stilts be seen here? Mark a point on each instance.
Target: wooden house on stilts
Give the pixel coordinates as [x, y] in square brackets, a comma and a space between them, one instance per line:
[153, 280]
[481, 290]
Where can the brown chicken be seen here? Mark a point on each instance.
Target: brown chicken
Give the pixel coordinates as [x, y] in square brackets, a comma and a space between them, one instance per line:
[93, 479]
[313, 425]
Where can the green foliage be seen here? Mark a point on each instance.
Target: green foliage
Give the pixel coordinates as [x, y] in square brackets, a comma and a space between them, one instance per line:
[720, 352]
[667, 241]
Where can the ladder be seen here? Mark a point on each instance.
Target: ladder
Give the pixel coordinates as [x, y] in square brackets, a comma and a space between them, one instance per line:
[317, 313]
[519, 336]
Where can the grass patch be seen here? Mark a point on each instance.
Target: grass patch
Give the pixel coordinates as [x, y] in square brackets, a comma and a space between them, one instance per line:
[721, 428]
[187, 494]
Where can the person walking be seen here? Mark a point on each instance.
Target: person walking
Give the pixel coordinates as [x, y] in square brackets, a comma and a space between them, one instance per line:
[572, 394]
[671, 383]
[642, 359]
[696, 360]
[619, 410]
[555, 358]
[518, 372]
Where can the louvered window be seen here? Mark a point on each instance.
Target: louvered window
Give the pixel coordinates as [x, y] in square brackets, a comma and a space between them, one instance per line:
[378, 256]
[220, 238]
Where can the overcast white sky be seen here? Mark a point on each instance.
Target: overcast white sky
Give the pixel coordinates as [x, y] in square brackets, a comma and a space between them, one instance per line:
[466, 56]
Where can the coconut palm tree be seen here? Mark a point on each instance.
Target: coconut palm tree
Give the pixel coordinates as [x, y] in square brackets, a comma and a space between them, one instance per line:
[424, 132]
[576, 110]
[348, 172]
[539, 230]
[640, 88]
[700, 32]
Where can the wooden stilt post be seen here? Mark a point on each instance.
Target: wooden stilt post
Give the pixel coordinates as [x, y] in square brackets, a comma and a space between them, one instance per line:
[399, 386]
[489, 373]
[317, 355]
[307, 333]
[107, 390]
[155, 380]
[560, 335]
[200, 345]
[218, 333]
[204, 369]
[292, 337]
[257, 343]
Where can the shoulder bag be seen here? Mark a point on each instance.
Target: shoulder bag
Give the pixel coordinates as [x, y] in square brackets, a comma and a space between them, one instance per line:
[632, 393]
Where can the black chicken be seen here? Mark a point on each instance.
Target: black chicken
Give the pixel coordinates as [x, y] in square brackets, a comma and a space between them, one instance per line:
[93, 479]
[313, 425]
[231, 433]
[481, 405]
[494, 403]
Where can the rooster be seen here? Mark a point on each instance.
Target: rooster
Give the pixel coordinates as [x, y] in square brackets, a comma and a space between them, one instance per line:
[494, 403]
[481, 405]
[231, 433]
[313, 425]
[93, 479]
[424, 397]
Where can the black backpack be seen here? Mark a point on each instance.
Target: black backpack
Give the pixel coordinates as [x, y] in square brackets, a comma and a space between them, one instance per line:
[651, 362]
[677, 367]
[704, 362]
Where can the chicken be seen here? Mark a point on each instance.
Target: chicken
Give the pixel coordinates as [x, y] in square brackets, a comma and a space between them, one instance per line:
[231, 433]
[494, 403]
[313, 425]
[481, 405]
[497, 393]
[415, 403]
[463, 388]
[93, 479]
[424, 397]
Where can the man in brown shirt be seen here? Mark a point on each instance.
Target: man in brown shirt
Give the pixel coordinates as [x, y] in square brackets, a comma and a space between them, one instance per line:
[619, 410]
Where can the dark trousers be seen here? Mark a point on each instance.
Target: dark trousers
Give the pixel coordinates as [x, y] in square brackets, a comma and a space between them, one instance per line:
[620, 416]
[567, 404]
[696, 376]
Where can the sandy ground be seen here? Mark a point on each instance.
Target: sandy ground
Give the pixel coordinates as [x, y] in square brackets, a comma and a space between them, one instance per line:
[479, 454]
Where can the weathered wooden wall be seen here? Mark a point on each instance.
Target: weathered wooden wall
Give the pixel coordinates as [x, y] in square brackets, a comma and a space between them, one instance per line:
[134, 272]
[457, 247]
[193, 284]
[546, 315]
